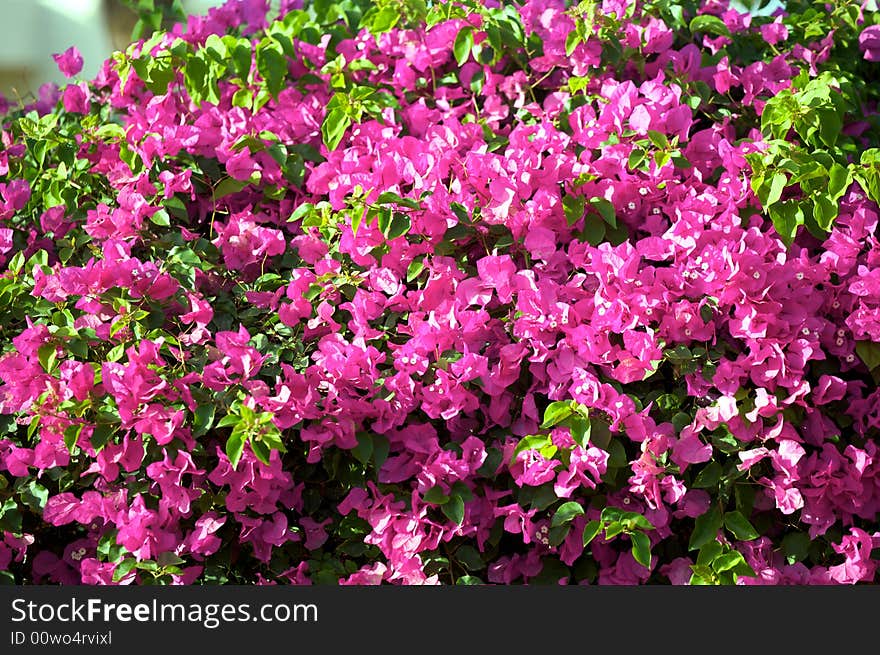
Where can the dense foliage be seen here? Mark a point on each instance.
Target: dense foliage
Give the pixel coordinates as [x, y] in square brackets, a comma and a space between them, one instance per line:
[455, 292]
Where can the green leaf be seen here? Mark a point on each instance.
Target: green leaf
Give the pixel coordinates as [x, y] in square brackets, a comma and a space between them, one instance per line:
[124, 567]
[606, 210]
[10, 516]
[786, 217]
[272, 64]
[454, 510]
[824, 211]
[777, 185]
[659, 139]
[48, 356]
[101, 435]
[34, 495]
[641, 548]
[381, 447]
[469, 580]
[594, 232]
[228, 420]
[830, 125]
[261, 451]
[393, 224]
[435, 496]
[796, 546]
[204, 419]
[576, 84]
[464, 43]
[566, 513]
[571, 42]
[710, 24]
[271, 437]
[235, 445]
[241, 58]
[727, 561]
[168, 559]
[470, 558]
[388, 197]
[580, 428]
[301, 211]
[634, 520]
[839, 179]
[243, 98]
[415, 269]
[869, 353]
[364, 449]
[227, 186]
[573, 206]
[532, 442]
[706, 529]
[636, 157]
[709, 477]
[613, 529]
[384, 20]
[71, 435]
[591, 529]
[556, 412]
[740, 527]
[333, 128]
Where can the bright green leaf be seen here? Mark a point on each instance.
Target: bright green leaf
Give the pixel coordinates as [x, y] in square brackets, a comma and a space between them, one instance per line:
[641, 548]
[740, 527]
[566, 513]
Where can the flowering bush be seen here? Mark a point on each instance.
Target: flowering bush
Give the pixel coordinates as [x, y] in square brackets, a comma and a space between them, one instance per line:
[455, 292]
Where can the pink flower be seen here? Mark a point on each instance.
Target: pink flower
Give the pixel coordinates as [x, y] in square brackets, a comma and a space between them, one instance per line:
[70, 62]
[689, 449]
[774, 32]
[869, 42]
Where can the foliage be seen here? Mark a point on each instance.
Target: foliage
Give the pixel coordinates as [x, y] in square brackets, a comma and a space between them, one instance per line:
[447, 292]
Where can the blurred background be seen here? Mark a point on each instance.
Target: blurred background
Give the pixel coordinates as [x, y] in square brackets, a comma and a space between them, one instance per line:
[35, 29]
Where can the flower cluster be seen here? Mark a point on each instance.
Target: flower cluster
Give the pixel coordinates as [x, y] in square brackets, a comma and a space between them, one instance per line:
[471, 293]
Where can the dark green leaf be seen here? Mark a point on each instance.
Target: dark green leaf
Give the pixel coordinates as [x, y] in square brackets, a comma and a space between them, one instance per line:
[470, 558]
[709, 477]
[454, 510]
[573, 207]
[796, 546]
[393, 224]
[740, 527]
[364, 449]
[435, 496]
[706, 528]
[204, 419]
[869, 353]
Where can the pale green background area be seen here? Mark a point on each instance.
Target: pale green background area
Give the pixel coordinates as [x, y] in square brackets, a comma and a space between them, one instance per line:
[32, 30]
